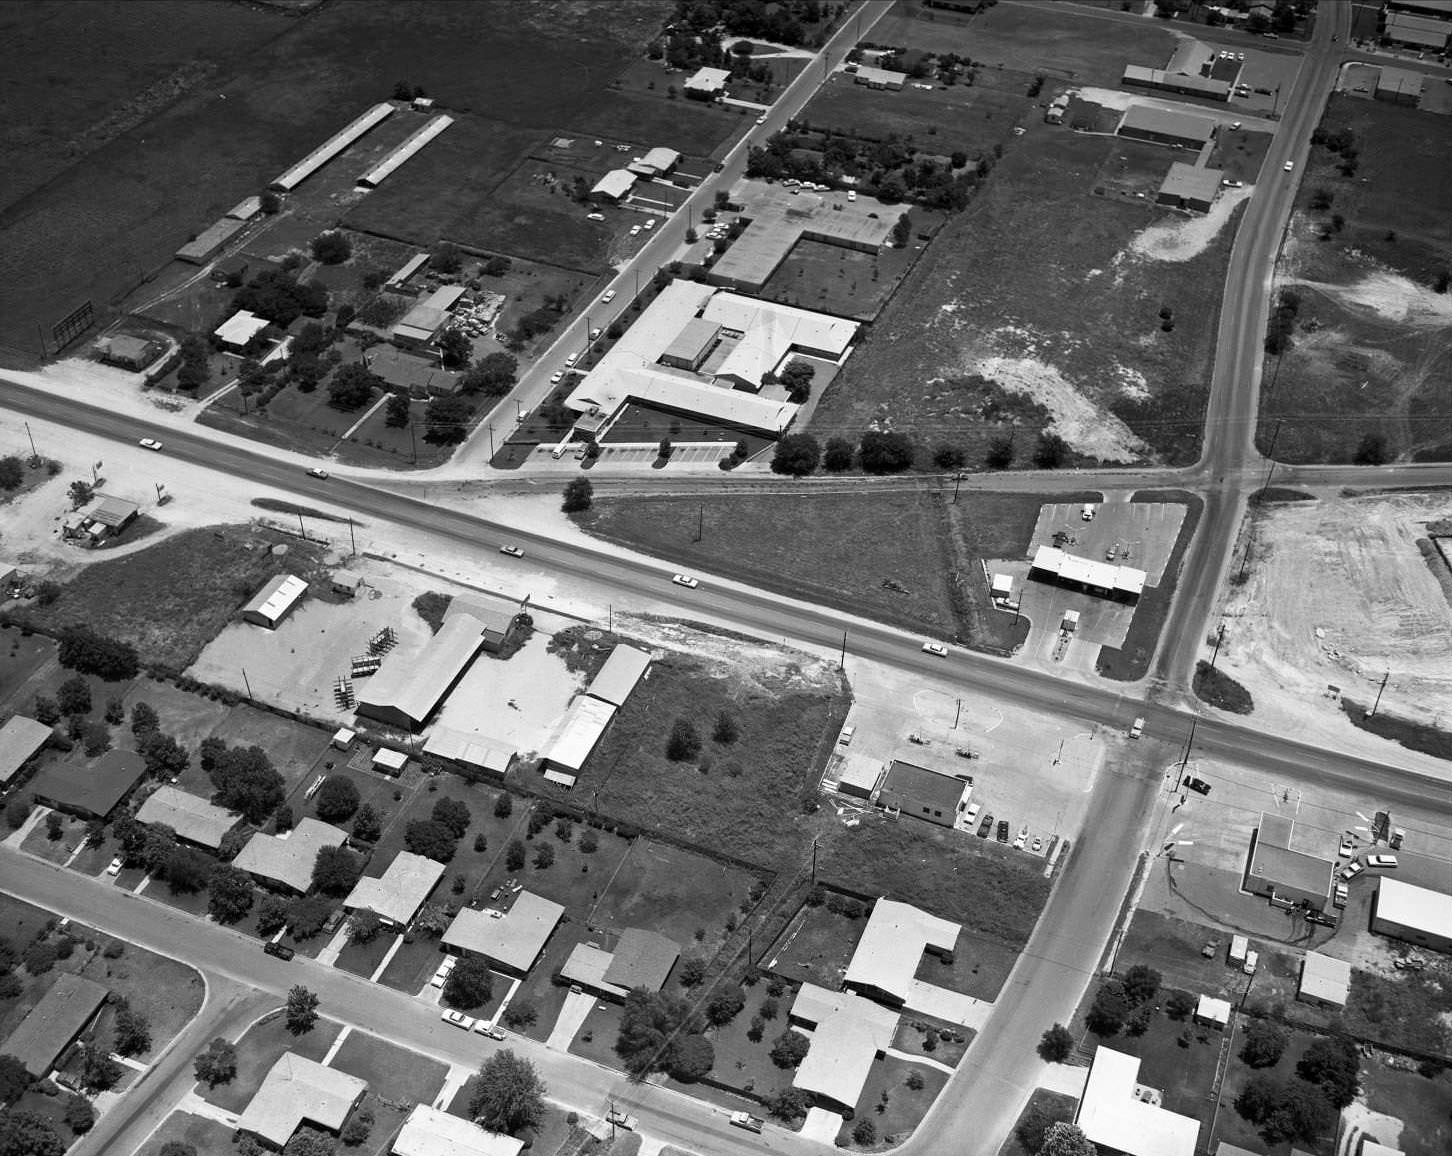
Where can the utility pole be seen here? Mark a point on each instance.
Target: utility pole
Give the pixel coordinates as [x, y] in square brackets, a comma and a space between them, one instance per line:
[491, 441]
[1250, 537]
[1185, 761]
[1219, 638]
[959, 715]
[246, 683]
[957, 481]
[842, 660]
[301, 529]
[814, 860]
[35, 453]
[413, 443]
[351, 539]
[1379, 689]
[1058, 758]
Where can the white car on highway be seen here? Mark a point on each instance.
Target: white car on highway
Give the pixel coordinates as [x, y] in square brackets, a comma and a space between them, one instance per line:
[609, 297]
[935, 648]
[685, 580]
[149, 444]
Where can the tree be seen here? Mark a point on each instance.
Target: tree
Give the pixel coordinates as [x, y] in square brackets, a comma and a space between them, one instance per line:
[797, 378]
[12, 472]
[229, 893]
[302, 1010]
[684, 743]
[579, 494]
[651, 1027]
[143, 718]
[432, 839]
[838, 455]
[99, 1072]
[1111, 1007]
[494, 376]
[396, 412]
[15, 1079]
[1285, 1109]
[1141, 983]
[216, 1065]
[447, 419]
[509, 1096]
[177, 1148]
[357, 1129]
[337, 798]
[949, 457]
[133, 1032]
[1056, 1045]
[1372, 450]
[469, 985]
[367, 827]
[1333, 1066]
[726, 731]
[335, 870]
[306, 1142]
[789, 1104]
[452, 814]
[665, 449]
[885, 453]
[692, 1058]
[331, 247]
[725, 1004]
[307, 915]
[1050, 452]
[864, 1132]
[276, 295]
[79, 1116]
[81, 494]
[246, 781]
[165, 757]
[544, 856]
[28, 1134]
[74, 696]
[1065, 1139]
[693, 971]
[271, 914]
[445, 257]
[796, 455]
[1265, 1042]
[789, 1049]
[514, 855]
[352, 386]
[1179, 1005]
[364, 925]
[185, 871]
[521, 1014]
[902, 229]
[455, 348]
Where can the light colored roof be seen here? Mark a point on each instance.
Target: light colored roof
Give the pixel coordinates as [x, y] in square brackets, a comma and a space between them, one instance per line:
[111, 511]
[390, 758]
[1212, 1009]
[401, 890]
[587, 965]
[642, 959]
[297, 1089]
[625, 667]
[331, 147]
[780, 327]
[463, 747]
[1158, 120]
[20, 738]
[850, 1032]
[414, 684]
[616, 183]
[892, 946]
[513, 939]
[1002, 583]
[1325, 978]
[416, 140]
[1102, 575]
[210, 240]
[693, 342]
[50, 1026]
[408, 268]
[1370, 1147]
[424, 319]
[859, 772]
[246, 208]
[1224, 1149]
[496, 620]
[1191, 181]
[1416, 907]
[1399, 80]
[277, 597]
[191, 817]
[347, 579]
[584, 722]
[1276, 861]
[713, 402]
[1111, 1116]
[289, 858]
[884, 75]
[240, 328]
[430, 1132]
[661, 159]
[1183, 82]
[709, 79]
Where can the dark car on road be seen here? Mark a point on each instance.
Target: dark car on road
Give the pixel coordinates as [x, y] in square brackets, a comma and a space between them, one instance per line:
[279, 950]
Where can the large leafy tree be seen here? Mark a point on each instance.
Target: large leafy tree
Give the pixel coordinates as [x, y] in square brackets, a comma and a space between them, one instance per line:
[246, 781]
[352, 386]
[28, 1134]
[335, 870]
[430, 838]
[469, 985]
[651, 1028]
[509, 1096]
[301, 1010]
[216, 1065]
[796, 455]
[337, 798]
[229, 893]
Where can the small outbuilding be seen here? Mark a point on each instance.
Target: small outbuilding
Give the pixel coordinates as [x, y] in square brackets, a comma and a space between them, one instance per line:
[883, 78]
[347, 583]
[275, 601]
[240, 330]
[582, 727]
[858, 776]
[389, 762]
[1325, 982]
[1212, 1013]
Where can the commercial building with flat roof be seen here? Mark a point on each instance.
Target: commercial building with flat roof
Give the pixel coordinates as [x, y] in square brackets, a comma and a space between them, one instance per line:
[924, 794]
[402, 889]
[692, 345]
[707, 83]
[421, 323]
[275, 601]
[849, 1033]
[1165, 80]
[194, 819]
[1415, 31]
[1190, 187]
[858, 775]
[886, 959]
[1161, 126]
[21, 739]
[1120, 1115]
[408, 688]
[471, 751]
[1324, 982]
[1051, 564]
[93, 791]
[295, 1091]
[621, 674]
[286, 860]
[768, 333]
[581, 728]
[1399, 86]
[430, 1132]
[49, 1028]
[1284, 874]
[509, 940]
[1411, 913]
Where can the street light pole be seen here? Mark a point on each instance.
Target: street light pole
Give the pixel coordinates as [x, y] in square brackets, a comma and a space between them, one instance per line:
[1379, 689]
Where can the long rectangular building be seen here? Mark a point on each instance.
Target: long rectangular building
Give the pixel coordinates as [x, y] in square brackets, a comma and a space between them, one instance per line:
[578, 733]
[1052, 564]
[331, 147]
[1414, 914]
[1161, 126]
[416, 141]
[408, 688]
[49, 1027]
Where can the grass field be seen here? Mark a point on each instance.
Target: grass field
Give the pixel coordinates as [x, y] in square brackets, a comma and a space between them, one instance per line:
[837, 280]
[21, 657]
[209, 1137]
[1423, 1105]
[1219, 689]
[816, 947]
[894, 1108]
[391, 1071]
[1230, 1127]
[261, 1047]
[169, 601]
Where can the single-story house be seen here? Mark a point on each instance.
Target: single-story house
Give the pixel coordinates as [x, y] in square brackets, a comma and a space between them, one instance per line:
[52, 1025]
[885, 78]
[127, 352]
[707, 83]
[656, 163]
[885, 962]
[194, 819]
[509, 940]
[640, 959]
[1211, 1012]
[848, 1034]
[230, 270]
[295, 1091]
[240, 330]
[430, 1132]
[92, 792]
[1190, 187]
[614, 186]
[286, 861]
[402, 889]
[275, 601]
[1119, 1114]
[21, 739]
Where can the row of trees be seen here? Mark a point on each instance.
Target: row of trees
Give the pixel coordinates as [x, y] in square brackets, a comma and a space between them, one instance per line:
[886, 452]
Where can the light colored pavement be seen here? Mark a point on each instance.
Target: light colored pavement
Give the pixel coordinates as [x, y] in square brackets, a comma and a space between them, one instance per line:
[572, 1015]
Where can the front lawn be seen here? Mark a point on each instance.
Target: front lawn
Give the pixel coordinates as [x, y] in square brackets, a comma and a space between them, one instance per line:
[894, 1108]
[392, 1072]
[209, 1137]
[260, 1048]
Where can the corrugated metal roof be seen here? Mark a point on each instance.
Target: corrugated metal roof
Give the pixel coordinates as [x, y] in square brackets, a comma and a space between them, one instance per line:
[331, 147]
[403, 152]
[620, 675]
[276, 598]
[580, 729]
[413, 684]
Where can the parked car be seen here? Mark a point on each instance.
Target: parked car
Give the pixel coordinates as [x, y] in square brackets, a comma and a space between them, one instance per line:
[985, 826]
[970, 817]
[574, 357]
[1137, 729]
[622, 1119]
[1351, 871]
[594, 216]
[458, 1020]
[1087, 513]
[1347, 848]
[115, 866]
[149, 444]
[761, 120]
[1003, 830]
[609, 297]
[512, 551]
[1385, 862]
[748, 1121]
[485, 1028]
[685, 580]
[851, 194]
[557, 377]
[1290, 166]
[1199, 786]
[935, 648]
[1018, 844]
[649, 223]
[1340, 896]
[281, 951]
[594, 334]
[1038, 845]
[320, 474]
[845, 738]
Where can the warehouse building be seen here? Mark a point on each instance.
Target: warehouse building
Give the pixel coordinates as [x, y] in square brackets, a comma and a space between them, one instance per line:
[194, 820]
[207, 244]
[397, 895]
[885, 962]
[1186, 84]
[285, 862]
[430, 1132]
[421, 324]
[1160, 126]
[275, 601]
[508, 940]
[297, 1091]
[67, 1009]
[1325, 982]
[331, 147]
[1399, 86]
[1422, 29]
[613, 187]
[415, 142]
[924, 794]
[469, 751]
[408, 688]
[1120, 1115]
[21, 739]
[848, 1035]
[91, 792]
[1122, 583]
[1284, 874]
[576, 737]
[707, 84]
[621, 674]
[1414, 914]
[1190, 187]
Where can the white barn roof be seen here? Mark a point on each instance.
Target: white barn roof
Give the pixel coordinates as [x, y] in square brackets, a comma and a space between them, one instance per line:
[275, 599]
[191, 817]
[289, 858]
[297, 1089]
[584, 722]
[430, 1132]
[708, 80]
[412, 685]
[625, 667]
[331, 147]
[401, 890]
[892, 946]
[1111, 1116]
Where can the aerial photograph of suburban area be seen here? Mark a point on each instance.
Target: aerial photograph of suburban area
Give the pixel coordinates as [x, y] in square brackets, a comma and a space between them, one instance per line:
[726, 577]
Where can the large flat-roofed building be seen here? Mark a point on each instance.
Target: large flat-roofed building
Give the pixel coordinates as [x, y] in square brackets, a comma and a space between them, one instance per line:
[510, 940]
[1160, 126]
[621, 674]
[1414, 914]
[849, 1033]
[49, 1028]
[768, 333]
[1051, 564]
[275, 601]
[1164, 80]
[422, 323]
[1119, 1115]
[469, 750]
[923, 793]
[706, 84]
[892, 945]
[21, 739]
[1413, 31]
[286, 861]
[1283, 873]
[1190, 187]
[1399, 86]
[1325, 982]
[209, 242]
[193, 818]
[430, 1132]
[408, 688]
[92, 792]
[583, 725]
[295, 1091]
[397, 895]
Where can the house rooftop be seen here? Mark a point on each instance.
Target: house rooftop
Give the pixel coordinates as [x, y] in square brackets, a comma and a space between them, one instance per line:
[296, 1089]
[1325, 979]
[191, 817]
[892, 946]
[849, 1032]
[289, 858]
[400, 891]
[20, 739]
[430, 1132]
[50, 1026]
[513, 939]
[1112, 1115]
[95, 789]
[642, 959]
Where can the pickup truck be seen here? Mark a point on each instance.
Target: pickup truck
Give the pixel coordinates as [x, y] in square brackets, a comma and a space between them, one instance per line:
[748, 1121]
[622, 1119]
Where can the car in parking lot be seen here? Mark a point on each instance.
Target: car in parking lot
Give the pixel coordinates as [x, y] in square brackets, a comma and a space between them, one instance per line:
[458, 1020]
[1137, 729]
[970, 817]
[1038, 845]
[1199, 786]
[512, 551]
[1347, 848]
[609, 297]
[149, 444]
[649, 223]
[985, 826]
[114, 868]
[1385, 862]
[319, 473]
[1003, 830]
[1351, 871]
[594, 216]
[935, 648]
[685, 580]
[1018, 843]
[845, 738]
[1341, 895]
[635, 230]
